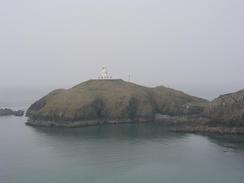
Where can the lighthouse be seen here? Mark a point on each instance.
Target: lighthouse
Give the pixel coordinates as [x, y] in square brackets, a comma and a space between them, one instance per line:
[104, 73]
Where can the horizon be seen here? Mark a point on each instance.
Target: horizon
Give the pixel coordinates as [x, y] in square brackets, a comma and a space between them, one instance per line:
[192, 46]
[23, 97]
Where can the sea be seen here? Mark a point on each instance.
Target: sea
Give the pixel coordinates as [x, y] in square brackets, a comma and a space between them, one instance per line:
[128, 153]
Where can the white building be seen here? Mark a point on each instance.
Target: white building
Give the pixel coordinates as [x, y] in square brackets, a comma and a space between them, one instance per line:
[104, 74]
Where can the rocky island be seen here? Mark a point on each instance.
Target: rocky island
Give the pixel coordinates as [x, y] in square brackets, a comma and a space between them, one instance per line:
[111, 101]
[115, 101]
[10, 112]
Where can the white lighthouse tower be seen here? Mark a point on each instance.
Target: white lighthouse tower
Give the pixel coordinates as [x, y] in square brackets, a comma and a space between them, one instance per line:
[104, 73]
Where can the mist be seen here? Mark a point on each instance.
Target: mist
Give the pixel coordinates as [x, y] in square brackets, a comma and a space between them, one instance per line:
[192, 45]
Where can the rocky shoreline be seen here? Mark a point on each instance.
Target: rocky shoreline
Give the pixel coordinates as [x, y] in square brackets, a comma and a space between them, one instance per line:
[195, 124]
[180, 125]
[77, 124]
[165, 120]
[208, 129]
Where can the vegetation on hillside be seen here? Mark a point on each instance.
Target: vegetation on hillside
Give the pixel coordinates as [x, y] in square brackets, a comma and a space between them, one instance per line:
[227, 109]
[114, 100]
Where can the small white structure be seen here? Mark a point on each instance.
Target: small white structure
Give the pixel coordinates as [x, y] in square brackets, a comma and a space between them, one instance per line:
[104, 73]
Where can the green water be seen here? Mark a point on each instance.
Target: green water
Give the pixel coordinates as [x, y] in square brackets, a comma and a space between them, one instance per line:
[116, 154]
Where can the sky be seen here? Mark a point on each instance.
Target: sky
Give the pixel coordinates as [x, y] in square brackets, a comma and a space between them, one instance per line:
[193, 45]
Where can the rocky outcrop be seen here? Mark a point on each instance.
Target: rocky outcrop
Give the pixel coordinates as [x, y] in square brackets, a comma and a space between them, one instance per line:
[10, 112]
[227, 110]
[224, 115]
[97, 102]
[111, 101]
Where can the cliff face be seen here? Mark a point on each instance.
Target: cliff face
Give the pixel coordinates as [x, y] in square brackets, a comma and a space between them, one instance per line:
[227, 109]
[113, 100]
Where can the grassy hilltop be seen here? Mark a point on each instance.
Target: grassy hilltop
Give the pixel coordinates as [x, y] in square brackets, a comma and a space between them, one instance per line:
[114, 100]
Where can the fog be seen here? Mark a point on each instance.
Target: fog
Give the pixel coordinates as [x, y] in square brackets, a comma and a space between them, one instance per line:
[193, 45]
